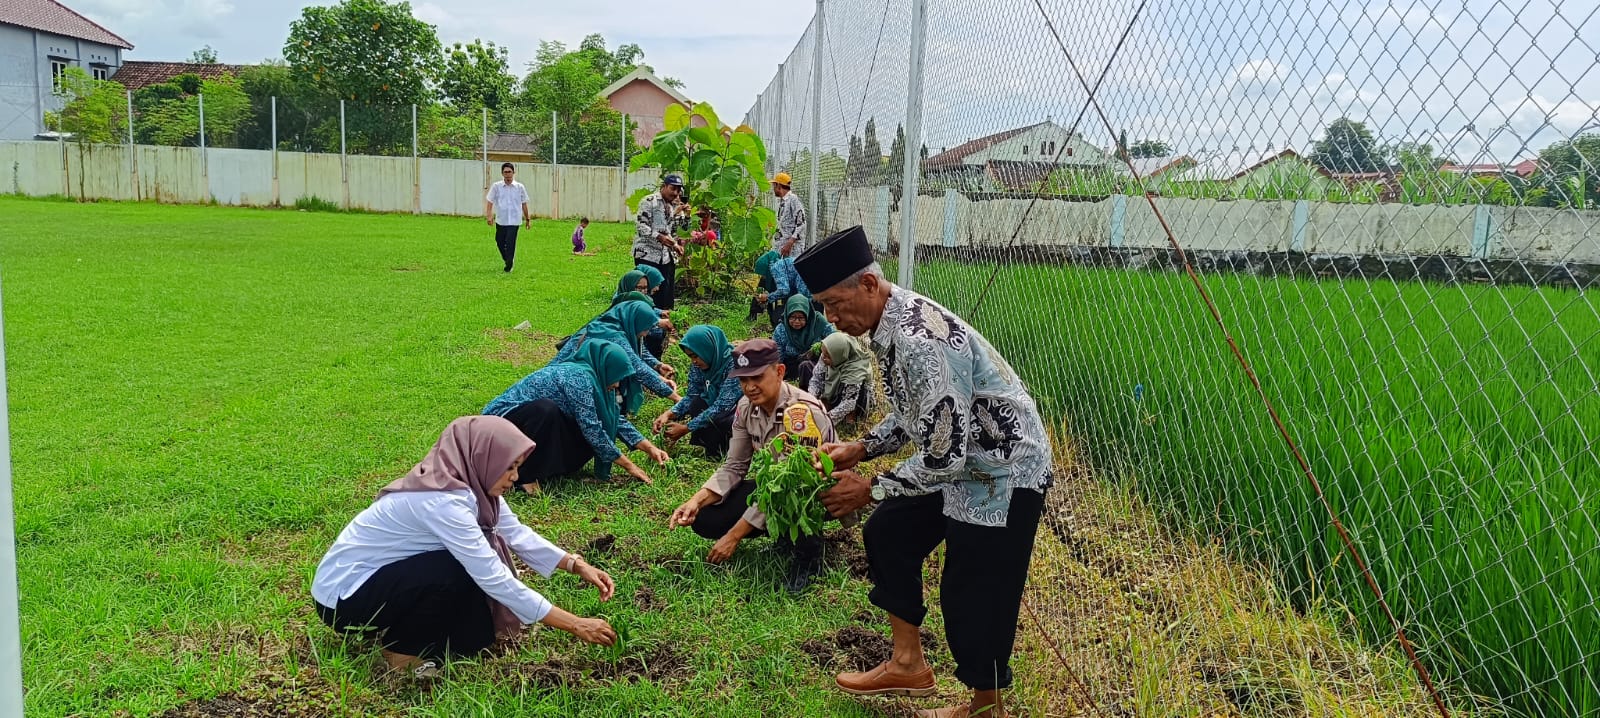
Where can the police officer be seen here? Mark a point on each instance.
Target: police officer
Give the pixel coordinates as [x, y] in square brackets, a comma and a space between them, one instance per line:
[719, 510]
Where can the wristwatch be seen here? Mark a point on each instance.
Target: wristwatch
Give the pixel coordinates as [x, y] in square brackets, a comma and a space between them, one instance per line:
[878, 492]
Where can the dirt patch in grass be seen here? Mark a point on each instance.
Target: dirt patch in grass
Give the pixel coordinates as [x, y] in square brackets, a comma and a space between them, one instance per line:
[520, 347]
[269, 695]
[660, 664]
[645, 599]
[601, 544]
[843, 548]
[857, 648]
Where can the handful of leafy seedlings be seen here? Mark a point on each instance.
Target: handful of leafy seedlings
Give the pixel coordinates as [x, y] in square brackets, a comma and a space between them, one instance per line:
[789, 487]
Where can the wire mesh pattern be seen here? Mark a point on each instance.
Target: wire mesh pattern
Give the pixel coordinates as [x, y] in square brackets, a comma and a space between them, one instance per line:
[1314, 281]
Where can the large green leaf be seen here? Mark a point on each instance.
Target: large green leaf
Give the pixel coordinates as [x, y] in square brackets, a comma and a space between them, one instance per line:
[750, 142]
[637, 197]
[704, 163]
[675, 117]
[705, 136]
[704, 111]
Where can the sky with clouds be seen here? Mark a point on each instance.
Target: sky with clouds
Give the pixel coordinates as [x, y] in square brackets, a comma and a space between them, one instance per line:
[1484, 80]
[725, 63]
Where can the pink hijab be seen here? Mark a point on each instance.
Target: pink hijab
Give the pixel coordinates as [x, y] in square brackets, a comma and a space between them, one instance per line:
[472, 454]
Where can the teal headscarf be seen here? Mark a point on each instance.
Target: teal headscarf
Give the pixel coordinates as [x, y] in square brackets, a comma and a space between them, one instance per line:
[764, 263]
[652, 275]
[633, 296]
[711, 345]
[606, 364]
[816, 326]
[622, 325]
[630, 282]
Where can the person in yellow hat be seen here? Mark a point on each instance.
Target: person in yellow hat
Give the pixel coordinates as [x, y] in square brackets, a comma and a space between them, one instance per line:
[790, 239]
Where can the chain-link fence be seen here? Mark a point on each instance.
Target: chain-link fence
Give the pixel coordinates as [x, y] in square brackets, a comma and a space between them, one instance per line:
[1312, 283]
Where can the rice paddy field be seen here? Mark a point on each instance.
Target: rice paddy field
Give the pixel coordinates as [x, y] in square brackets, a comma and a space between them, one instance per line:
[1452, 428]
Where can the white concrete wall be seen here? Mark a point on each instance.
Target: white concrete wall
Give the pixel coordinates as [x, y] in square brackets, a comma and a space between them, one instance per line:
[1535, 234]
[246, 178]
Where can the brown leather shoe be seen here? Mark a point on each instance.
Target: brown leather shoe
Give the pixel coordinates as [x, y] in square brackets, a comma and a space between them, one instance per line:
[880, 682]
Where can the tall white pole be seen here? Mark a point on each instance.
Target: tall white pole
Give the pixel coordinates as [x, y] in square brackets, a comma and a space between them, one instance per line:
[202, 99]
[555, 170]
[910, 173]
[10, 618]
[485, 149]
[814, 218]
[776, 147]
[133, 152]
[622, 168]
[344, 164]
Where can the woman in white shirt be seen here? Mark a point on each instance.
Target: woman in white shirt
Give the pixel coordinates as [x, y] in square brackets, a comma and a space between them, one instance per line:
[429, 562]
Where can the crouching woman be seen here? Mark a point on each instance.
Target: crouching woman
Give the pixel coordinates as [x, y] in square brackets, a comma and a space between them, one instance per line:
[426, 569]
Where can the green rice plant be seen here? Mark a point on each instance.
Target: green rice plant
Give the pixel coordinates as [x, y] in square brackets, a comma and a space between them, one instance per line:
[1451, 428]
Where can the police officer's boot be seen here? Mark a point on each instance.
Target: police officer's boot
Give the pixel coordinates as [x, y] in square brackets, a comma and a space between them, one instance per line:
[805, 563]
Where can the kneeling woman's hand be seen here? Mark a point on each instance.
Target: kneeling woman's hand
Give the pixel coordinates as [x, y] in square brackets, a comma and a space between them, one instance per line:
[595, 577]
[589, 630]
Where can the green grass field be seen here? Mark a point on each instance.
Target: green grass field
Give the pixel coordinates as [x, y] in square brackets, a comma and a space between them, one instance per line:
[1453, 428]
[202, 397]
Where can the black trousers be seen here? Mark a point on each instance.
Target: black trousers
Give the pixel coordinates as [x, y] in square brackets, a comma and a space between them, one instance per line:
[664, 297]
[715, 520]
[656, 344]
[985, 570]
[505, 237]
[798, 370]
[425, 605]
[715, 436]
[561, 447]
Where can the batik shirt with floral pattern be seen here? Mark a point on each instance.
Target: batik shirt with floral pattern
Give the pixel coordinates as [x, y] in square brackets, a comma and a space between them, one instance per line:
[977, 432]
[572, 389]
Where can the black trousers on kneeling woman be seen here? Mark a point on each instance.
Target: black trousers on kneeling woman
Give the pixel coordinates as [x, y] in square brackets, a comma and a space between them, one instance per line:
[561, 449]
[425, 605]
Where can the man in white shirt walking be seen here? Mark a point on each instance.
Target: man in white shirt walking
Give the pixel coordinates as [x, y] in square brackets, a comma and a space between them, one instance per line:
[500, 211]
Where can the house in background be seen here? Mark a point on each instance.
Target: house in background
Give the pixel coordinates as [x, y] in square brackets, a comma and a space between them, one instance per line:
[138, 74]
[1257, 174]
[1013, 160]
[644, 98]
[510, 147]
[1156, 168]
[39, 40]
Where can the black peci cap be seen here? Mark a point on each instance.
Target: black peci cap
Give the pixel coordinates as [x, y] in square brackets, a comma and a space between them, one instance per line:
[834, 259]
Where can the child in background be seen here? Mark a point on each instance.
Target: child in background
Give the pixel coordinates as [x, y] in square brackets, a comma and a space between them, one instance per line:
[578, 245]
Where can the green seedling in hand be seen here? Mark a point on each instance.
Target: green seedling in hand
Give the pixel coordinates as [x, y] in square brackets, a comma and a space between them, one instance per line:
[789, 487]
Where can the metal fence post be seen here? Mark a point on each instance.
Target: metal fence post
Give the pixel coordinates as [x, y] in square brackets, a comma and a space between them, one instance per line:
[622, 168]
[416, 168]
[344, 167]
[10, 623]
[555, 170]
[815, 216]
[950, 199]
[276, 200]
[485, 150]
[133, 150]
[1119, 214]
[911, 169]
[205, 160]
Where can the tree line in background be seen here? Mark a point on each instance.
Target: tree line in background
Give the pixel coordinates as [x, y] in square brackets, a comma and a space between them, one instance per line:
[380, 61]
